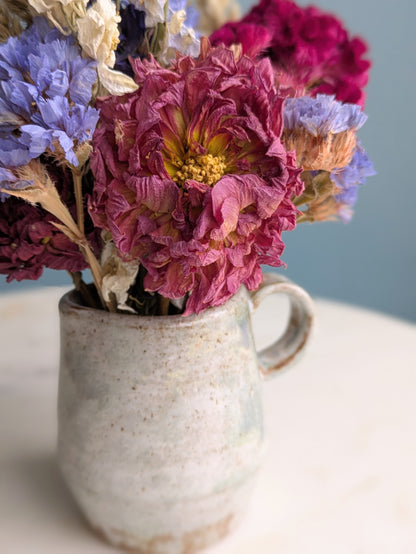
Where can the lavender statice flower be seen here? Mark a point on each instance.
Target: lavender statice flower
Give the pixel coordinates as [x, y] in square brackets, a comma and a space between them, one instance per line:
[6, 178]
[332, 195]
[322, 130]
[66, 126]
[322, 115]
[45, 91]
[349, 178]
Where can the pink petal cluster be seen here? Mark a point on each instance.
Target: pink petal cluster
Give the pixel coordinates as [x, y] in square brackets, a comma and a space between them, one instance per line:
[191, 176]
[310, 49]
[30, 242]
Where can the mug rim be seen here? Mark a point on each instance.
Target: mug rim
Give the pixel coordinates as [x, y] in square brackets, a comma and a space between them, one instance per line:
[69, 303]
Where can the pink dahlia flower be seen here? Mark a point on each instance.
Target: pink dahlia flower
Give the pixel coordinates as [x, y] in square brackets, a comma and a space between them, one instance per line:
[310, 50]
[192, 178]
[30, 242]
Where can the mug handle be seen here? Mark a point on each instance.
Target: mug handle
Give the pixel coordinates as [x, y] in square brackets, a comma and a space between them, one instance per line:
[287, 348]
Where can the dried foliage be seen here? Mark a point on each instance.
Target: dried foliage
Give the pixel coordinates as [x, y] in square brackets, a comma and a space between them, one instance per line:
[14, 17]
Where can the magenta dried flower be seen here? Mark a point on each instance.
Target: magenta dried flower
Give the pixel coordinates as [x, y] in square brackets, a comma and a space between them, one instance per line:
[310, 50]
[29, 240]
[192, 178]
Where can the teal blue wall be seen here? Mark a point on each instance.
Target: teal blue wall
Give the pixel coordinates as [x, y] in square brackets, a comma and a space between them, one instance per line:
[372, 260]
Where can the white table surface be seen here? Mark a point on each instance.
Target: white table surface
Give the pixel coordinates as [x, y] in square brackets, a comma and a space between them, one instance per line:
[340, 474]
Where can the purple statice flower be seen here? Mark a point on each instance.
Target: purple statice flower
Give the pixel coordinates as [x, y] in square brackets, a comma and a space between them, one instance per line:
[45, 91]
[65, 125]
[187, 40]
[132, 30]
[332, 195]
[322, 130]
[6, 177]
[351, 176]
[322, 115]
[12, 152]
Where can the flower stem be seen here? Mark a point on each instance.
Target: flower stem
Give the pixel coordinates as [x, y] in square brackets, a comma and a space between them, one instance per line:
[83, 289]
[163, 305]
[43, 191]
[77, 179]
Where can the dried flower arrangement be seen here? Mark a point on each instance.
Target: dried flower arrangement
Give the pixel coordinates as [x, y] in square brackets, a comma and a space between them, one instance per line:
[167, 162]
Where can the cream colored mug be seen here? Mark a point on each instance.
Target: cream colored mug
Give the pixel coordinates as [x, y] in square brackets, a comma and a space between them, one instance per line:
[161, 420]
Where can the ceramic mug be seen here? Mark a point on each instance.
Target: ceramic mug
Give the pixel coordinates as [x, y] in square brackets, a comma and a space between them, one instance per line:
[160, 418]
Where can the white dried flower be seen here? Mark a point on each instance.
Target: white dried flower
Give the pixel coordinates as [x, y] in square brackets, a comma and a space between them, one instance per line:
[98, 36]
[184, 41]
[98, 32]
[118, 276]
[179, 38]
[61, 13]
[176, 22]
[154, 10]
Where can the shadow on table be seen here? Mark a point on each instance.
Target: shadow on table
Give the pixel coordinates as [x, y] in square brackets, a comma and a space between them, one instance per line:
[42, 496]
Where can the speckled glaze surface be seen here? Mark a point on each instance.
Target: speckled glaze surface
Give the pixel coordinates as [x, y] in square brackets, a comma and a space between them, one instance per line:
[160, 423]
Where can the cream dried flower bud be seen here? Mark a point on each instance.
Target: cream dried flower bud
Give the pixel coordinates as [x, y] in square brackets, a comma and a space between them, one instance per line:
[63, 14]
[180, 38]
[98, 32]
[176, 22]
[98, 35]
[154, 10]
[118, 276]
[115, 82]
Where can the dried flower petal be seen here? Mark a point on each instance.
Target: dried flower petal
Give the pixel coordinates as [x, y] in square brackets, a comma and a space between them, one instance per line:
[30, 240]
[310, 49]
[44, 96]
[118, 275]
[98, 35]
[191, 176]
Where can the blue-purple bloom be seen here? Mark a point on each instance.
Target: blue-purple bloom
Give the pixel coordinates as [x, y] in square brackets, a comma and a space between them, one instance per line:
[59, 123]
[322, 115]
[351, 176]
[5, 179]
[45, 89]
[322, 130]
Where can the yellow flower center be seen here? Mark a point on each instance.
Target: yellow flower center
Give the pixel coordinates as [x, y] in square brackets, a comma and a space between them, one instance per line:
[114, 42]
[206, 169]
